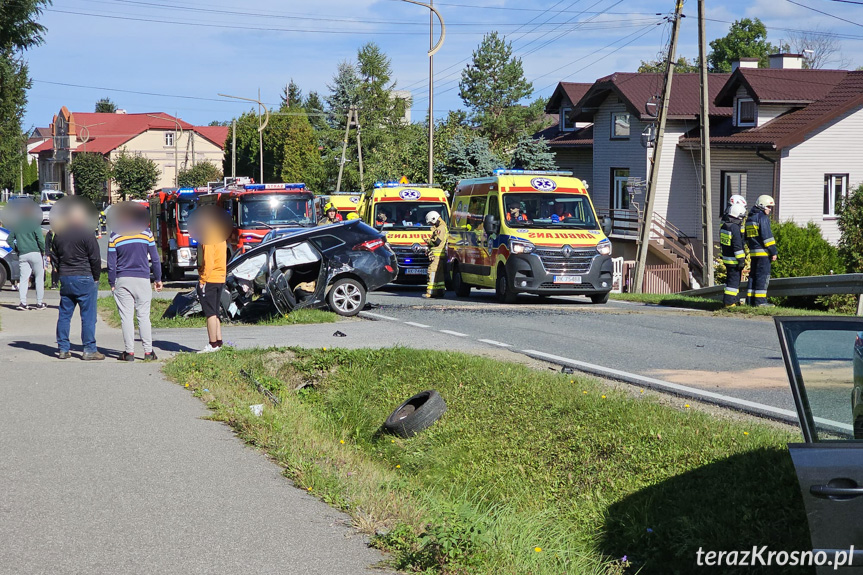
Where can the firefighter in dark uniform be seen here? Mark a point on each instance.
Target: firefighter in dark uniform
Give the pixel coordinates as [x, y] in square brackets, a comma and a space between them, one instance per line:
[436, 244]
[762, 250]
[331, 216]
[733, 255]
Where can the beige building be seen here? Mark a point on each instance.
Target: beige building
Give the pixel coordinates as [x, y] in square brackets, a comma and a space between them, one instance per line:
[171, 143]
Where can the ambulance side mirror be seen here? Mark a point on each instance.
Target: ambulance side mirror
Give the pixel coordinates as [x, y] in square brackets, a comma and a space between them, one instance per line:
[489, 224]
[606, 225]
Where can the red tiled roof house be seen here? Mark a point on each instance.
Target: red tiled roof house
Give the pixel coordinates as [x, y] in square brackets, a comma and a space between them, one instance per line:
[109, 134]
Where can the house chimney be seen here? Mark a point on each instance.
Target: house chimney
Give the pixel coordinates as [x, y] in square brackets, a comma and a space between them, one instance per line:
[786, 61]
[744, 63]
[120, 111]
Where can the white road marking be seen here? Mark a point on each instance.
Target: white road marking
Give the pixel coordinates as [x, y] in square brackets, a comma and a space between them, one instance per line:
[378, 316]
[416, 324]
[493, 342]
[455, 333]
[709, 396]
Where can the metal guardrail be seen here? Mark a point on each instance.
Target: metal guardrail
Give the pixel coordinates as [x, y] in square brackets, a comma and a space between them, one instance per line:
[848, 284]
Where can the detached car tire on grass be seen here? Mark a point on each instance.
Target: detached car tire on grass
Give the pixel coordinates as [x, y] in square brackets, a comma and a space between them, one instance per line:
[416, 414]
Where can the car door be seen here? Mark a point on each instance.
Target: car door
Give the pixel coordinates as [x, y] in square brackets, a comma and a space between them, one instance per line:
[283, 258]
[824, 361]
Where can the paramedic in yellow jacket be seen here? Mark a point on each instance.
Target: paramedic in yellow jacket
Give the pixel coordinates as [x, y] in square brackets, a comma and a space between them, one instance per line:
[436, 249]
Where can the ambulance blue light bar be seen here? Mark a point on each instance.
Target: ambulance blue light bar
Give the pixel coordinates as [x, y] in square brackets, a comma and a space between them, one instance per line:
[294, 186]
[503, 172]
[400, 185]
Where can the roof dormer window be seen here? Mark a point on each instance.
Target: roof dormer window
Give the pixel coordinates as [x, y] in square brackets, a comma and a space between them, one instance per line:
[747, 112]
[566, 124]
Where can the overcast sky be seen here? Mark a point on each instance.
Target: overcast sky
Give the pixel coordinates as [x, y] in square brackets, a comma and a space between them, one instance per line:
[198, 48]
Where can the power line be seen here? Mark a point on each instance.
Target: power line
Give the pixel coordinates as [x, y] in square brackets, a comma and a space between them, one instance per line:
[509, 9]
[825, 13]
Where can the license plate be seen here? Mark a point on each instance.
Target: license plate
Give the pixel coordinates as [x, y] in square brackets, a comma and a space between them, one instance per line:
[415, 272]
[567, 279]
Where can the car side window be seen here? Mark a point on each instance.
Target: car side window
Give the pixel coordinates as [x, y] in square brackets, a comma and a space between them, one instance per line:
[826, 372]
[327, 242]
[476, 210]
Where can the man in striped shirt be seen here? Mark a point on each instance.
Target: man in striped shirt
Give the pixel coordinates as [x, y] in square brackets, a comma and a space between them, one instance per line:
[131, 251]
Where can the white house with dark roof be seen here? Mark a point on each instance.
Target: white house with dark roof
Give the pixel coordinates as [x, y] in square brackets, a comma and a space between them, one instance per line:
[785, 131]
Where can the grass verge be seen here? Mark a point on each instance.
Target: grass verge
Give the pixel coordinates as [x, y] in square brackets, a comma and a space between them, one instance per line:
[527, 472]
[713, 305]
[108, 311]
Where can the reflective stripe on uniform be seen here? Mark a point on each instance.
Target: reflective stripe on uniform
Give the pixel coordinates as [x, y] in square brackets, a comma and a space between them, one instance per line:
[759, 253]
[729, 261]
[740, 254]
[760, 293]
[769, 242]
[731, 291]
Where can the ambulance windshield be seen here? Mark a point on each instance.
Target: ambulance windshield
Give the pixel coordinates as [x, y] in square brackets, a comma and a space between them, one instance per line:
[549, 210]
[407, 215]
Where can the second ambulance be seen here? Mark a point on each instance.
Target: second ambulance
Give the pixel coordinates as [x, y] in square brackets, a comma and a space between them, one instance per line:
[521, 231]
[399, 209]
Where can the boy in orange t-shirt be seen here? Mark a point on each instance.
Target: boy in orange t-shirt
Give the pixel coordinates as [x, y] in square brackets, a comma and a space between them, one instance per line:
[212, 271]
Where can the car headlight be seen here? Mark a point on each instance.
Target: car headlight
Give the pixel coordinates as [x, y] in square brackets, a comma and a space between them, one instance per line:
[521, 246]
[604, 247]
[184, 254]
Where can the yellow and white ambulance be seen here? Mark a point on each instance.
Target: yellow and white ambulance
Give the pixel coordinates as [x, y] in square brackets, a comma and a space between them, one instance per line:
[398, 209]
[522, 231]
[345, 202]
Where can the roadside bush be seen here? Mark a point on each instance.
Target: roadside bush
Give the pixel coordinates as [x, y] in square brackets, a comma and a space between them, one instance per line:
[803, 251]
[851, 226]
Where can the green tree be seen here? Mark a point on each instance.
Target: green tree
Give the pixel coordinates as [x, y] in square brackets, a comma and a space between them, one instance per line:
[343, 90]
[136, 175]
[105, 106]
[532, 154]
[314, 105]
[14, 83]
[292, 95]
[247, 146]
[19, 30]
[851, 227]
[683, 66]
[31, 176]
[301, 159]
[745, 39]
[199, 175]
[220, 123]
[91, 172]
[19, 26]
[467, 157]
[491, 87]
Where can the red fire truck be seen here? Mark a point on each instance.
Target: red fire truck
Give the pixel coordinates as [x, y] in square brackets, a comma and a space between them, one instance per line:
[169, 218]
[256, 209]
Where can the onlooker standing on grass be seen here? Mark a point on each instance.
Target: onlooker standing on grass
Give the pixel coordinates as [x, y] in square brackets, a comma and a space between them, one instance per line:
[76, 252]
[211, 227]
[25, 237]
[130, 244]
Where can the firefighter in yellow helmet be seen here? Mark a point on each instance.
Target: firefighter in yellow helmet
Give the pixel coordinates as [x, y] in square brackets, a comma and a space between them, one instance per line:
[436, 244]
[353, 216]
[331, 216]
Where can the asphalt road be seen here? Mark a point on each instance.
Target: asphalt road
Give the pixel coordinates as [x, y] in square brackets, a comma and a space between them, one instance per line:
[733, 356]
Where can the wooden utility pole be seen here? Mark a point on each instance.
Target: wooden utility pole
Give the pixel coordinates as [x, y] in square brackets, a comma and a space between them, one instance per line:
[344, 148]
[359, 149]
[706, 194]
[650, 200]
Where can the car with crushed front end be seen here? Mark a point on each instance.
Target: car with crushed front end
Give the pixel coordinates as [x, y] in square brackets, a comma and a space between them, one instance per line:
[331, 267]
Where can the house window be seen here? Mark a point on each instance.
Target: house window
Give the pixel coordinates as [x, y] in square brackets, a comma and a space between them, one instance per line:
[747, 112]
[835, 189]
[169, 138]
[619, 125]
[566, 124]
[732, 183]
[620, 188]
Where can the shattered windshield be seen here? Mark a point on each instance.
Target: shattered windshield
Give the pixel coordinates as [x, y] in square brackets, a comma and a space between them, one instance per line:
[408, 215]
[271, 211]
[549, 210]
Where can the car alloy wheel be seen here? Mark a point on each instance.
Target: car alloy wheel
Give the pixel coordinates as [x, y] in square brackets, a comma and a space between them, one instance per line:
[347, 297]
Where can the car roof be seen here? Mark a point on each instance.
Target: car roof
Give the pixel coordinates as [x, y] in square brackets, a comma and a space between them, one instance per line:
[306, 233]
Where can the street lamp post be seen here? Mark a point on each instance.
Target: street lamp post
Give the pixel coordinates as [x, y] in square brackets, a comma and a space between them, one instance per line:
[261, 125]
[178, 133]
[433, 49]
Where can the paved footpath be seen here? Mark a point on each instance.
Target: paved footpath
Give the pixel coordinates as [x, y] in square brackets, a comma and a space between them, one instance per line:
[106, 467]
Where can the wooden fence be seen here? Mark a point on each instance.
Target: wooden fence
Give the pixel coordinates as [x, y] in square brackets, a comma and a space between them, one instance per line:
[657, 278]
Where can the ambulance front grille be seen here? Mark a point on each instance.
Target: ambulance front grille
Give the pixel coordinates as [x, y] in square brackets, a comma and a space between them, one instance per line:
[556, 263]
[406, 253]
